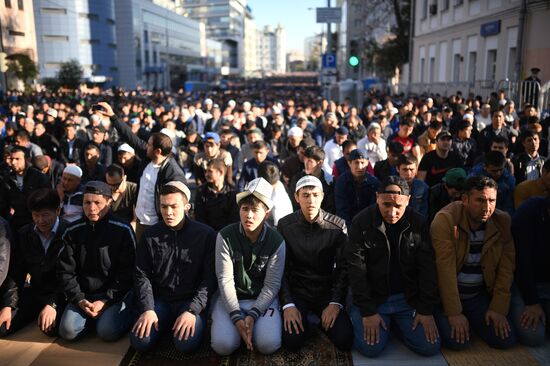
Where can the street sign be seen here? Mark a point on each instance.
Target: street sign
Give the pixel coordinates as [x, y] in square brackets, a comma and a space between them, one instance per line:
[329, 61]
[329, 15]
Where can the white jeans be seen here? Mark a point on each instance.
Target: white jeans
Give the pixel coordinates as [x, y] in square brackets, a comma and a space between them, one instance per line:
[266, 336]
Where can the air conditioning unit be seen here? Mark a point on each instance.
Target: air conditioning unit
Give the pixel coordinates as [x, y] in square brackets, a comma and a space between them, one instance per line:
[433, 9]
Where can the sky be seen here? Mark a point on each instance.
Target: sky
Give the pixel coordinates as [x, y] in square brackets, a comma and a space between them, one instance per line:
[293, 15]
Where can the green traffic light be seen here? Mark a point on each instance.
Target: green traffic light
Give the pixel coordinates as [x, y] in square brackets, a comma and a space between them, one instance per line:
[353, 61]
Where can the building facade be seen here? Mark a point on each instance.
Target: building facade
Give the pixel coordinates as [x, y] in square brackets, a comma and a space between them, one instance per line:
[77, 29]
[17, 31]
[225, 22]
[157, 47]
[477, 41]
[250, 45]
[271, 50]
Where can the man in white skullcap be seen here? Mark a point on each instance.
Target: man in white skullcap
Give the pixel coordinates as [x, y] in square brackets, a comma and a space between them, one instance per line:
[70, 193]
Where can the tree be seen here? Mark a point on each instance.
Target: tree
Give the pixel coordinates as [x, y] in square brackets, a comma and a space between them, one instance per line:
[69, 74]
[386, 35]
[23, 67]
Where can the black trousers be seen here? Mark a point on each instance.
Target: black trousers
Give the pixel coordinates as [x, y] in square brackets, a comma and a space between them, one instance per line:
[29, 308]
[341, 333]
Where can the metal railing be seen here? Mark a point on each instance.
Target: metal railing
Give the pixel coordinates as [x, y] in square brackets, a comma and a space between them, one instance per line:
[521, 92]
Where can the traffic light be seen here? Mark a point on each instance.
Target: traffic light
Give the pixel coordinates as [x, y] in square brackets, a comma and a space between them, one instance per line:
[3, 62]
[353, 59]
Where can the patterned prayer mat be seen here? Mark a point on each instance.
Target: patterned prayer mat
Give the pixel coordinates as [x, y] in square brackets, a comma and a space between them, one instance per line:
[318, 350]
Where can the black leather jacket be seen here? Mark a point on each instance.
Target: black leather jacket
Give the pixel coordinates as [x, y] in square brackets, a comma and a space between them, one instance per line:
[368, 256]
[312, 250]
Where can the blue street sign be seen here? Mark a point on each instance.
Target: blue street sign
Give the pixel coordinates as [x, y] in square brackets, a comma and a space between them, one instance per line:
[329, 61]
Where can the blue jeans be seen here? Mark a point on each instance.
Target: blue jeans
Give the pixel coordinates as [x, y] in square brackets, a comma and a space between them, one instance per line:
[474, 310]
[167, 313]
[530, 337]
[111, 324]
[395, 309]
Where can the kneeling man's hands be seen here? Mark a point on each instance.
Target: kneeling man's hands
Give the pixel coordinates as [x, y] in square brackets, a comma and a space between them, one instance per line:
[184, 326]
[329, 315]
[531, 316]
[292, 319]
[500, 323]
[371, 328]
[428, 323]
[142, 327]
[46, 318]
[460, 328]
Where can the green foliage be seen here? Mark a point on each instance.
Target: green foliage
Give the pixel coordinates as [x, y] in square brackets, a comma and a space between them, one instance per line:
[22, 67]
[69, 74]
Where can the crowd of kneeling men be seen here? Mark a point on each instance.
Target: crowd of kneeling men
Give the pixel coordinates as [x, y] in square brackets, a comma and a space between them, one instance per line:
[434, 284]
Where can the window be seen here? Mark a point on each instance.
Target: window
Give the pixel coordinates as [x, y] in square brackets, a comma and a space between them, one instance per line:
[89, 41]
[90, 16]
[511, 62]
[491, 64]
[424, 14]
[433, 8]
[459, 2]
[445, 5]
[20, 5]
[472, 60]
[16, 33]
[432, 69]
[55, 38]
[422, 69]
[52, 65]
[7, 3]
[57, 11]
[456, 66]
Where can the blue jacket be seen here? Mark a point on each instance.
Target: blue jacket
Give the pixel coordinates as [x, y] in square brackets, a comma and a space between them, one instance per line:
[420, 193]
[506, 187]
[351, 198]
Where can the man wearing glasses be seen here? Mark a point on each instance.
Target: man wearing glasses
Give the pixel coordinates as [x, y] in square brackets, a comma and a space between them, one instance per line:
[124, 193]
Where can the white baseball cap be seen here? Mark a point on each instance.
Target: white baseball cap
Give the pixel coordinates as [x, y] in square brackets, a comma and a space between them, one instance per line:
[308, 181]
[127, 148]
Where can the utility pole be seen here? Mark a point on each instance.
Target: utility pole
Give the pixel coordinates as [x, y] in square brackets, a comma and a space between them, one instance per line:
[329, 33]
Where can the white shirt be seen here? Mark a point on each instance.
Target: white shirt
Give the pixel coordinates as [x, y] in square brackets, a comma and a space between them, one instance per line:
[145, 207]
[333, 152]
[281, 203]
[375, 152]
[482, 122]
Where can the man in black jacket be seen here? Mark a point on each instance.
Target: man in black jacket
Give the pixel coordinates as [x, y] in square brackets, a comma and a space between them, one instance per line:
[158, 167]
[314, 279]
[530, 306]
[392, 272]
[216, 201]
[17, 185]
[95, 269]
[174, 275]
[36, 254]
[8, 295]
